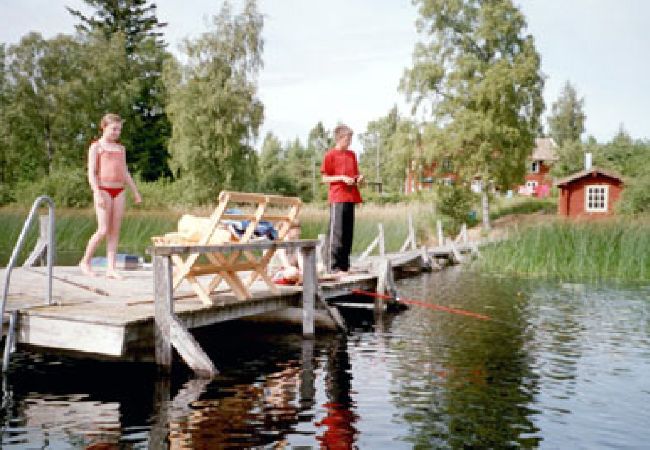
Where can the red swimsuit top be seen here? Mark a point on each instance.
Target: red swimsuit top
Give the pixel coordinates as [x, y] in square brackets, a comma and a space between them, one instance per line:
[111, 165]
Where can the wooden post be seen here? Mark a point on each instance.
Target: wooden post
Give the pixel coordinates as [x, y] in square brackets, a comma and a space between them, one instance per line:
[38, 253]
[307, 390]
[159, 431]
[412, 232]
[382, 244]
[190, 350]
[382, 284]
[426, 261]
[163, 309]
[322, 252]
[309, 290]
[441, 237]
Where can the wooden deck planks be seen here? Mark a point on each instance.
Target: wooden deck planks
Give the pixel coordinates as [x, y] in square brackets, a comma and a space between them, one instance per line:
[115, 317]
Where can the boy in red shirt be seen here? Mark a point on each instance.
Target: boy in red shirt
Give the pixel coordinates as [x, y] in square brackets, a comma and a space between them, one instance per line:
[341, 172]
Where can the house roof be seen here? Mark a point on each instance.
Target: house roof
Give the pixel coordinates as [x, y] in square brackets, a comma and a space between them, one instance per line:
[544, 150]
[585, 173]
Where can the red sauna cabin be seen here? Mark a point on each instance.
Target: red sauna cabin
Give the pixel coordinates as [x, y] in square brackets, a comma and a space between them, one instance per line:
[589, 193]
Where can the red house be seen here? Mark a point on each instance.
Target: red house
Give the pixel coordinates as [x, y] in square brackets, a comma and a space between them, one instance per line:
[589, 193]
[538, 182]
[422, 177]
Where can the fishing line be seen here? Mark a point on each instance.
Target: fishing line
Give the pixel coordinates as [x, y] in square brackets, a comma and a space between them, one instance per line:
[410, 301]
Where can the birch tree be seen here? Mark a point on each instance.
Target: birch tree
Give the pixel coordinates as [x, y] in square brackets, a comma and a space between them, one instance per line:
[476, 73]
[213, 104]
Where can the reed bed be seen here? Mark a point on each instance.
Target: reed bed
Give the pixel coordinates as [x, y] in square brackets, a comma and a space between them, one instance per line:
[615, 249]
[75, 226]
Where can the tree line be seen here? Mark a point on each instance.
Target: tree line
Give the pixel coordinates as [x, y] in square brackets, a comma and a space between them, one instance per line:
[191, 121]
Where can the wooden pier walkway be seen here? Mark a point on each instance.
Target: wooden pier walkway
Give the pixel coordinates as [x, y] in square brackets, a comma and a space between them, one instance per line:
[103, 318]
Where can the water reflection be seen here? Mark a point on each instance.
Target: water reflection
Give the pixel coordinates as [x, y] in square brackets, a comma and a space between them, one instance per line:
[340, 432]
[466, 382]
[559, 366]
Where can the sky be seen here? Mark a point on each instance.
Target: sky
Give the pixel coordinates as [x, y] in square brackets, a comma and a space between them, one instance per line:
[341, 60]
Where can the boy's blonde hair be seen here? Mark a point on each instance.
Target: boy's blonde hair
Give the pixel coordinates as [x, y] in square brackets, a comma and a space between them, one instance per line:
[108, 119]
[341, 130]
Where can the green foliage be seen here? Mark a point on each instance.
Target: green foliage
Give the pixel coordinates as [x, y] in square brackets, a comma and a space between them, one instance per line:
[165, 194]
[274, 176]
[148, 127]
[455, 202]
[213, 105]
[570, 159]
[614, 250]
[479, 75]
[133, 17]
[389, 145]
[523, 205]
[67, 187]
[636, 196]
[567, 120]
[391, 198]
[74, 228]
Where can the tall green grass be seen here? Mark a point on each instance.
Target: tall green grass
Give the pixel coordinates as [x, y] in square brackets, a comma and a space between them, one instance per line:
[73, 229]
[75, 226]
[611, 250]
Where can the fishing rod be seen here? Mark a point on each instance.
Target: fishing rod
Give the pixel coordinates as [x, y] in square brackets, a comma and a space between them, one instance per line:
[433, 306]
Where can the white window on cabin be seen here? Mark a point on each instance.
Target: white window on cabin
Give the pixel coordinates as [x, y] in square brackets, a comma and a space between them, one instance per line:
[531, 185]
[535, 166]
[596, 198]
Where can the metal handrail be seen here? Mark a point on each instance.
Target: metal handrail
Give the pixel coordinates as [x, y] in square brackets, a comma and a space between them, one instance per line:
[16, 251]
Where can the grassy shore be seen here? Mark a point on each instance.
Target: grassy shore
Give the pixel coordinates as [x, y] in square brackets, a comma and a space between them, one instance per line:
[615, 249]
[75, 226]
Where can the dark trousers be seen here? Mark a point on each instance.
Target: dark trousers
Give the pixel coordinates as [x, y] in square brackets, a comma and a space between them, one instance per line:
[341, 232]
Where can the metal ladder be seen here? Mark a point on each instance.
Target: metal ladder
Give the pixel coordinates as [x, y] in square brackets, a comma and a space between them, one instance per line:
[10, 342]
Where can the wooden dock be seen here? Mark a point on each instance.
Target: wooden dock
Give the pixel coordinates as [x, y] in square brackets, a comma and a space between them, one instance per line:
[102, 318]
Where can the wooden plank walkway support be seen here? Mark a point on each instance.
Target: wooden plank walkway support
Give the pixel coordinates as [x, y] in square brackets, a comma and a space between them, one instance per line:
[385, 284]
[41, 248]
[410, 241]
[169, 331]
[378, 241]
[309, 288]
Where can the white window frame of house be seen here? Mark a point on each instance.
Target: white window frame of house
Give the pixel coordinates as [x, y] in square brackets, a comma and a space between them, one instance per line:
[531, 184]
[596, 204]
[535, 166]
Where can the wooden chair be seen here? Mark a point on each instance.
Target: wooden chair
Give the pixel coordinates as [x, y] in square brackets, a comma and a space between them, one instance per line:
[232, 210]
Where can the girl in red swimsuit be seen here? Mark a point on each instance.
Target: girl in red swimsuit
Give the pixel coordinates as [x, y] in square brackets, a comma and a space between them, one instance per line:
[108, 175]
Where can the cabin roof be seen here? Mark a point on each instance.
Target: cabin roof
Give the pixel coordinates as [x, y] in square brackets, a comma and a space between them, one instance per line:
[584, 173]
[544, 150]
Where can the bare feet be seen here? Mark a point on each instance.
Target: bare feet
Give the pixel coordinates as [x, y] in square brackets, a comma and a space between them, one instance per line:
[86, 270]
[113, 275]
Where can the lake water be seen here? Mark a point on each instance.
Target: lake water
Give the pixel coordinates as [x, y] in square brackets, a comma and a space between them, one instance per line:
[558, 366]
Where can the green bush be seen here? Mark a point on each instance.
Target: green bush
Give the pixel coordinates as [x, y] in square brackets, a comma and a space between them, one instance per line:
[164, 194]
[383, 198]
[67, 187]
[636, 197]
[522, 205]
[455, 203]
[6, 195]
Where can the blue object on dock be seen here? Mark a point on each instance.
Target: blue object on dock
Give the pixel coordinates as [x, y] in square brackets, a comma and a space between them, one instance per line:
[122, 261]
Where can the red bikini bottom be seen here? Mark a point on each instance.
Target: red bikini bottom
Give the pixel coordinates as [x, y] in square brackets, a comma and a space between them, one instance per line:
[113, 192]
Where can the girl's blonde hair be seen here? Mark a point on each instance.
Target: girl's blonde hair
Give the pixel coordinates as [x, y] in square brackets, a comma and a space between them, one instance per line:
[108, 119]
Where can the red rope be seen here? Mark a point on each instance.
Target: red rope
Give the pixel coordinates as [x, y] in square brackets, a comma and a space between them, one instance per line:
[408, 301]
